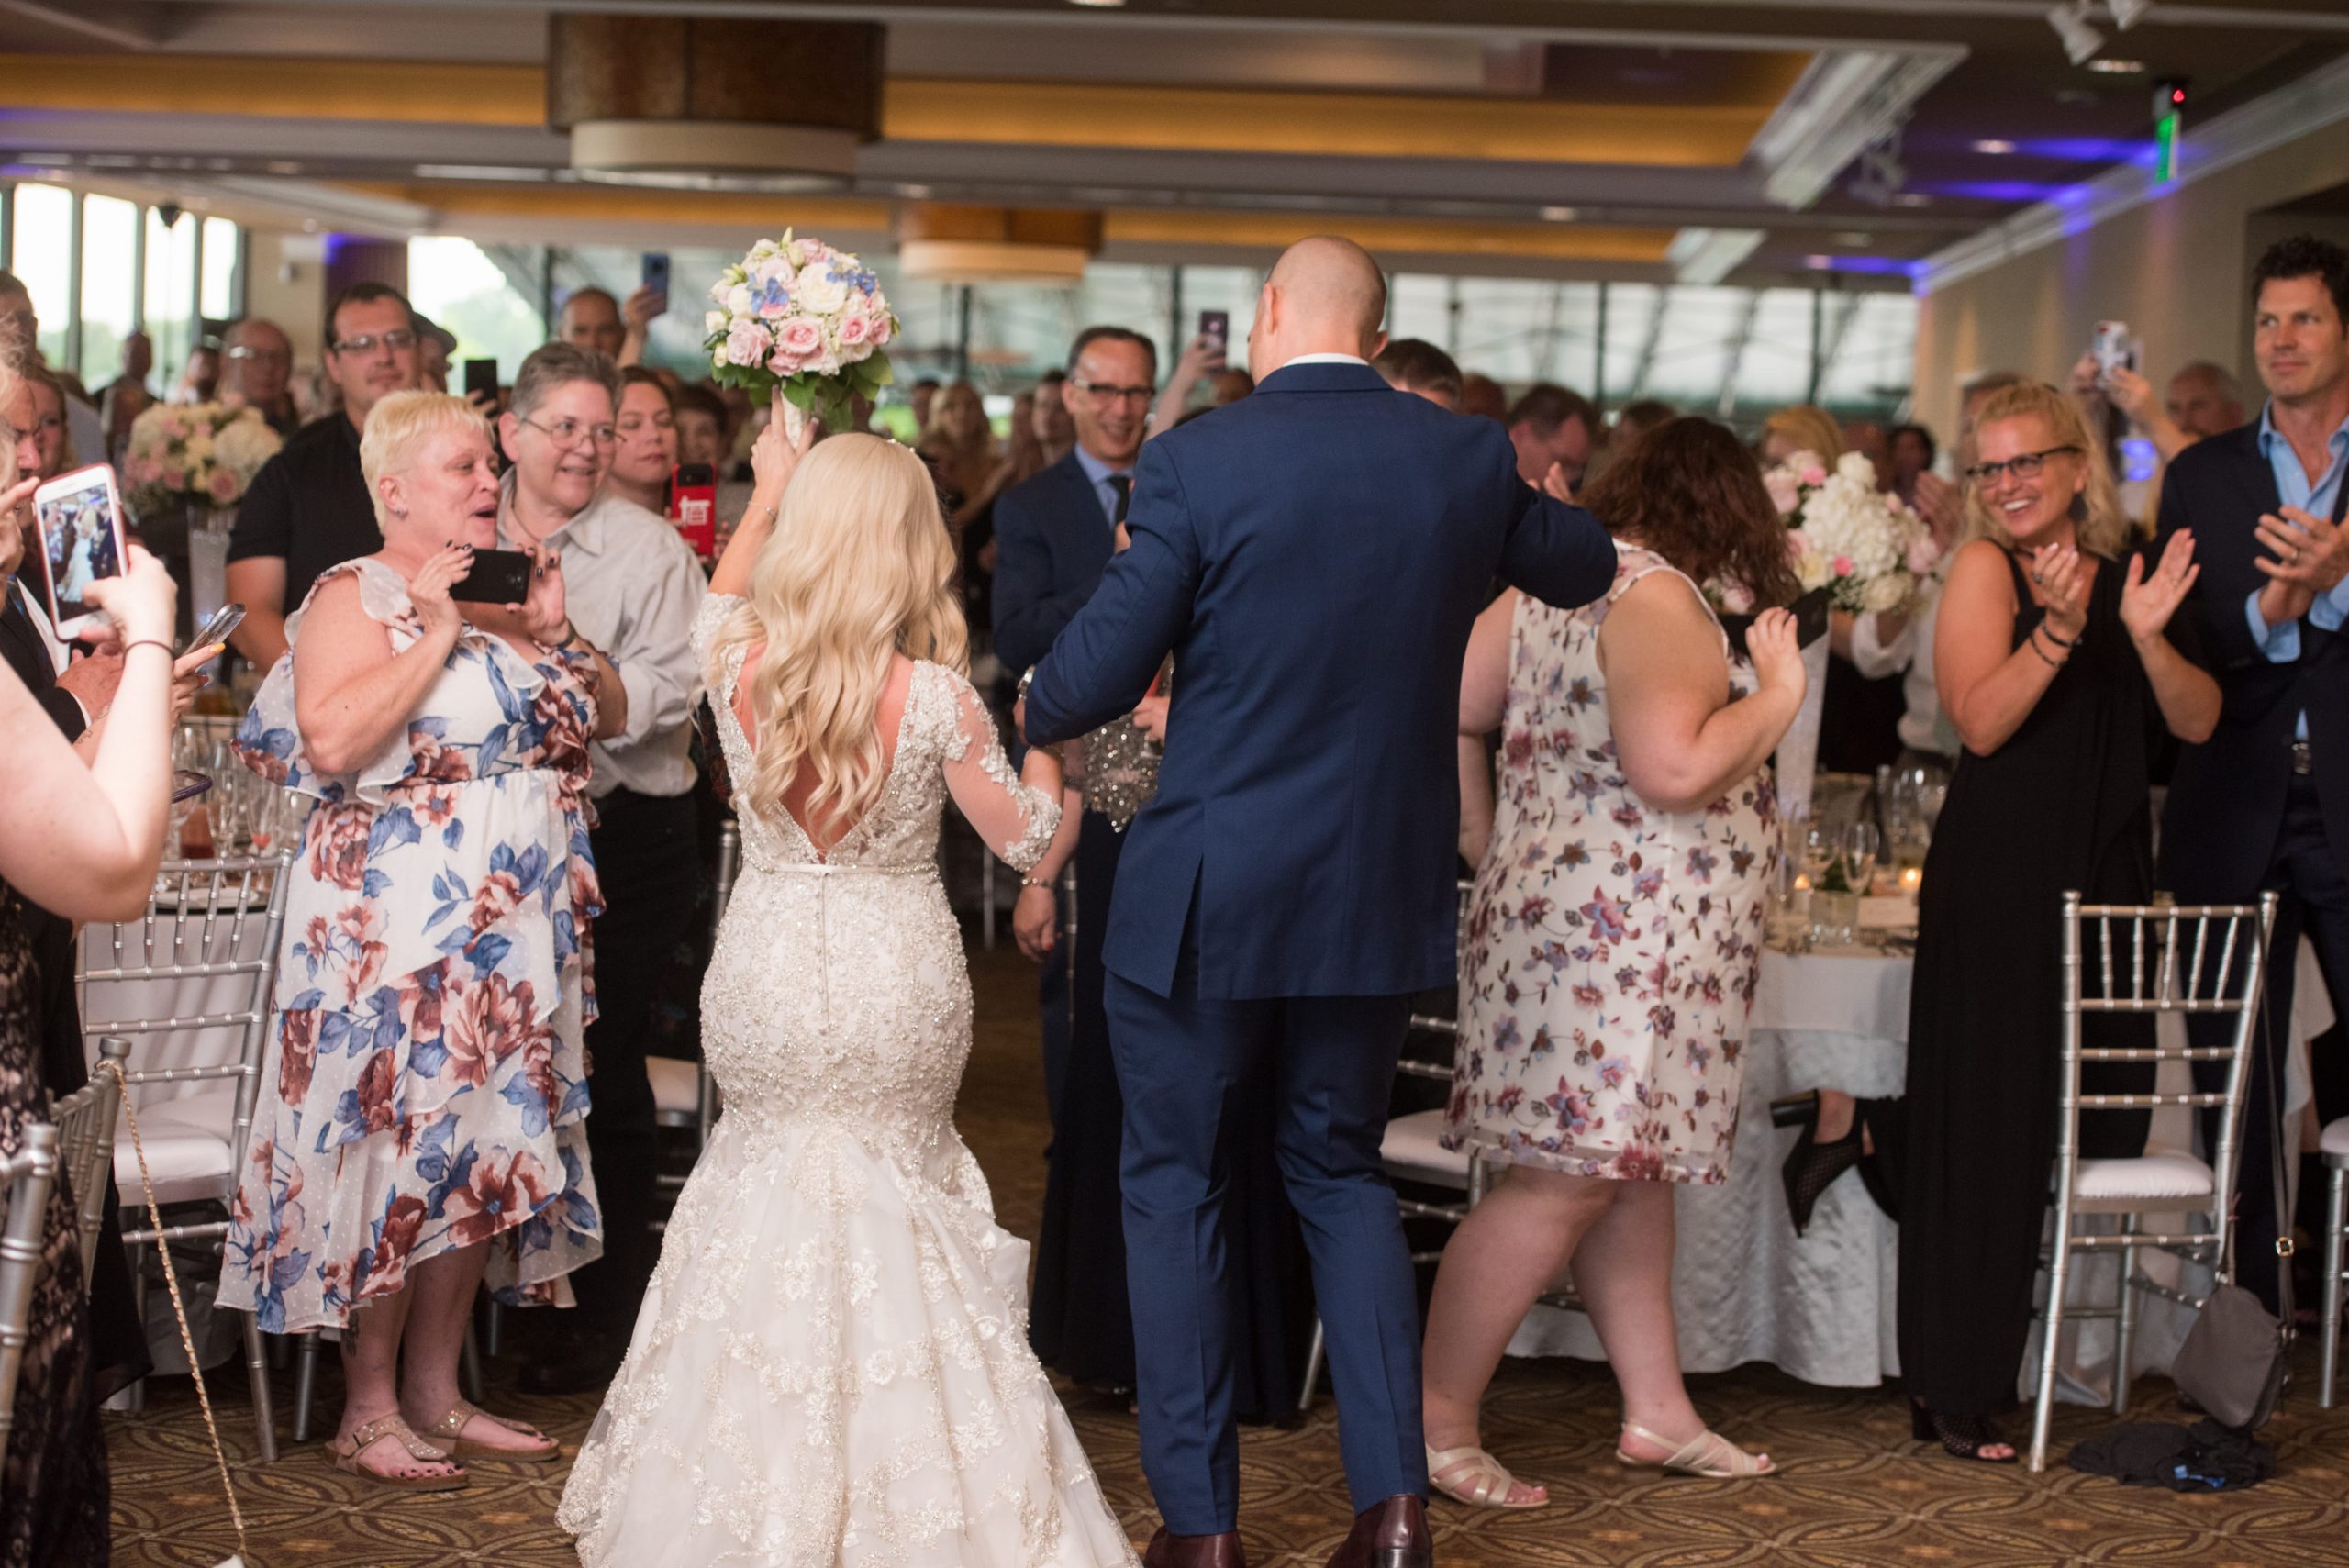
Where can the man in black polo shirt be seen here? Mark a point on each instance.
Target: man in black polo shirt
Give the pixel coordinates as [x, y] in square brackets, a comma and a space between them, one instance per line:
[309, 509]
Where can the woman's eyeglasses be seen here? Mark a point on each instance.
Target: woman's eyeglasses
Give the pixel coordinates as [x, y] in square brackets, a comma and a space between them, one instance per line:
[2022, 465]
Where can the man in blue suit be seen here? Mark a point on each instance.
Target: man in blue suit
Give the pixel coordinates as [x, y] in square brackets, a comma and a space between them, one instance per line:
[1053, 535]
[1314, 556]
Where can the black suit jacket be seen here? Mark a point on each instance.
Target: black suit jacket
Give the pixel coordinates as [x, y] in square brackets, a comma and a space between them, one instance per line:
[2226, 801]
[1052, 541]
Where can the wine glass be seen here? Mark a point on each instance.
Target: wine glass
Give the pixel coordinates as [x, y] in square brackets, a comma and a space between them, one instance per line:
[1861, 847]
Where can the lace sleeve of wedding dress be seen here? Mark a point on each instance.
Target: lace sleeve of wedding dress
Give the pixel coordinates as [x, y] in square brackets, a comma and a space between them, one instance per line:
[1017, 822]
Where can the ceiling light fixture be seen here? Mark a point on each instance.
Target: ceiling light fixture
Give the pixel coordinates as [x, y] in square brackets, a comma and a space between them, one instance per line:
[2127, 14]
[1995, 147]
[1912, 198]
[2071, 24]
[1104, 5]
[2118, 67]
[1560, 214]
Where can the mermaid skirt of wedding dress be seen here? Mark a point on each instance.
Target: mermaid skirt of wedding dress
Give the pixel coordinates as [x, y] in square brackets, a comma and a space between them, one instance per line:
[832, 1368]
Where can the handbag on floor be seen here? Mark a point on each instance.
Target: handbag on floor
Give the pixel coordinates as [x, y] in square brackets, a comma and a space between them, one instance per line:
[2237, 1355]
[238, 1558]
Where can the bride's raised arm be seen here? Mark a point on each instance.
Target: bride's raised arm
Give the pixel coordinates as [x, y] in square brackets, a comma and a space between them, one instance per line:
[1016, 814]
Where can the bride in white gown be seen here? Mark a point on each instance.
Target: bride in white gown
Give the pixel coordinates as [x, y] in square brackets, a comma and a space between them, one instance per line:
[831, 1366]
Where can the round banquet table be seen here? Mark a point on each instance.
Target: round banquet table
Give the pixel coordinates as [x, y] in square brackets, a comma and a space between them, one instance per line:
[1820, 1308]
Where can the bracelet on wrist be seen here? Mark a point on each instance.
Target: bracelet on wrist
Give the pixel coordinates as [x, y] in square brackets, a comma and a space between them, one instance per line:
[2044, 658]
[1044, 882]
[148, 642]
[2049, 632]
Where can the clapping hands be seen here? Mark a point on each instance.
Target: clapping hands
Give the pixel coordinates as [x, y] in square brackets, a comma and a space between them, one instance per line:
[2147, 603]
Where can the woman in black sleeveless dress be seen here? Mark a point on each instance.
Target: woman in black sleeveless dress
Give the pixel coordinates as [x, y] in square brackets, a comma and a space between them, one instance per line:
[2057, 669]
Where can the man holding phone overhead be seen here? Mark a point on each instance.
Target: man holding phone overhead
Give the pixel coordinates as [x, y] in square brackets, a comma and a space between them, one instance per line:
[309, 509]
[632, 588]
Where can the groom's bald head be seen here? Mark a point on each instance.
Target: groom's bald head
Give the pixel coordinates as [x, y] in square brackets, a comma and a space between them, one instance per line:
[1324, 296]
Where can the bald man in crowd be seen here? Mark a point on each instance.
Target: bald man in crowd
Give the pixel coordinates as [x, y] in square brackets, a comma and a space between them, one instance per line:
[592, 318]
[1314, 557]
[257, 368]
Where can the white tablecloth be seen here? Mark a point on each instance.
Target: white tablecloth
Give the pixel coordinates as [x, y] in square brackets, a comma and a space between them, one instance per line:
[1821, 1308]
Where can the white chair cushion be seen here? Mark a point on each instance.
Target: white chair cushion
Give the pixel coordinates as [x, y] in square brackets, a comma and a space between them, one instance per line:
[2157, 1174]
[187, 1163]
[1413, 1151]
[677, 1087]
[2336, 1137]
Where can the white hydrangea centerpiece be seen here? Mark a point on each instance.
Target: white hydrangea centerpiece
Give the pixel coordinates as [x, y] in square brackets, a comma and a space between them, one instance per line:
[799, 318]
[1863, 545]
[204, 454]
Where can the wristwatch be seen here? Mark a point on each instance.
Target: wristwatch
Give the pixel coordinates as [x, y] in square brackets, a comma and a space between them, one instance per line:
[1025, 681]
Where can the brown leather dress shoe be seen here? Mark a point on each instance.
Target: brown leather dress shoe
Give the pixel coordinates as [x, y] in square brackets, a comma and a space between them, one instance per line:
[1168, 1549]
[1392, 1535]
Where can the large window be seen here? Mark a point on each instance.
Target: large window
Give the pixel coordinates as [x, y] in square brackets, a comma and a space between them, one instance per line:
[41, 253]
[109, 284]
[170, 286]
[223, 258]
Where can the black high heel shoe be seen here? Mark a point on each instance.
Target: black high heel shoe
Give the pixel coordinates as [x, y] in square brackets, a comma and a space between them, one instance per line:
[1811, 1167]
[1961, 1437]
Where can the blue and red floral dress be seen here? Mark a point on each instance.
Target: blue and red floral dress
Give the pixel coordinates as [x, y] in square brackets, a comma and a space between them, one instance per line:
[426, 1086]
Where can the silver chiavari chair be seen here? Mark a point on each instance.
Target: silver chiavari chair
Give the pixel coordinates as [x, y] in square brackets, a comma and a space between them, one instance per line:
[209, 941]
[26, 1176]
[2148, 959]
[86, 1122]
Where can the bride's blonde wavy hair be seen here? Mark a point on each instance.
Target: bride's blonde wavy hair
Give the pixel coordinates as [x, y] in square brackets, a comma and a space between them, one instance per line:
[860, 566]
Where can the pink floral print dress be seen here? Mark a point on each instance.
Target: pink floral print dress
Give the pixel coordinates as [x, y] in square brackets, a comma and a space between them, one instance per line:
[425, 1086]
[1607, 966]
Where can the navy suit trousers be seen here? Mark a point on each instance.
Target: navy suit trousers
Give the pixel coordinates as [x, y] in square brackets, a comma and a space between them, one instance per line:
[1185, 1064]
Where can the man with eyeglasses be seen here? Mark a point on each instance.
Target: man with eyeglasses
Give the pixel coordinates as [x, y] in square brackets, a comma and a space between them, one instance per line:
[1055, 535]
[632, 587]
[308, 510]
[2263, 804]
[257, 365]
[21, 335]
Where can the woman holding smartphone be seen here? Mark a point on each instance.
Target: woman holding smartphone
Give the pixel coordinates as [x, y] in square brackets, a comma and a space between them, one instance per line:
[78, 842]
[430, 1084]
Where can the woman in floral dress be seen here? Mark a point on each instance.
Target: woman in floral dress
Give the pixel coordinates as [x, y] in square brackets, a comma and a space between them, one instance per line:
[429, 1084]
[1612, 941]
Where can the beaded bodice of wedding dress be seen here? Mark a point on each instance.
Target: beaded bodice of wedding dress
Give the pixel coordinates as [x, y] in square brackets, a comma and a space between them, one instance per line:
[831, 1365]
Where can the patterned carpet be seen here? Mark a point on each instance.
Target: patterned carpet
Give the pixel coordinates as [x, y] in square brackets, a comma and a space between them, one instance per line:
[1856, 1494]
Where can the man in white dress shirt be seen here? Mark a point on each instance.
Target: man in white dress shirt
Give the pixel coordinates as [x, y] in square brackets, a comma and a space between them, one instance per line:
[633, 587]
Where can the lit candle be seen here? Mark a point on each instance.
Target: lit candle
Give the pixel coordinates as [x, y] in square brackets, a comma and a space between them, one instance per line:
[1911, 878]
[1802, 883]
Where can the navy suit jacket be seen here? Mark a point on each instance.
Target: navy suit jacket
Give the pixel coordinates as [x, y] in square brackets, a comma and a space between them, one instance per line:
[1314, 555]
[2226, 800]
[1051, 540]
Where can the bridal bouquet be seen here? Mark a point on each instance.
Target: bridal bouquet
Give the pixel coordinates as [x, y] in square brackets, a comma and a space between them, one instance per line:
[1863, 545]
[797, 316]
[204, 454]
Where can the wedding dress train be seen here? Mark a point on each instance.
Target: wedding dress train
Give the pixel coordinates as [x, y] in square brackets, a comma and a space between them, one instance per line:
[831, 1366]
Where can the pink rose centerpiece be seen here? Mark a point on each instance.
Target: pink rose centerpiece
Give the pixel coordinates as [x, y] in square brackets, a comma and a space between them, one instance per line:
[798, 317]
[202, 455]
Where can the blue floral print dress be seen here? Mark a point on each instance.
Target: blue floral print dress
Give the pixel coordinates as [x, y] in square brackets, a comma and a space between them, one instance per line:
[1609, 963]
[425, 1088]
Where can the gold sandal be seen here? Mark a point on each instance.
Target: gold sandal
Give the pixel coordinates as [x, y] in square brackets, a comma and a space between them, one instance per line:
[345, 1452]
[449, 1428]
[1468, 1474]
[1708, 1454]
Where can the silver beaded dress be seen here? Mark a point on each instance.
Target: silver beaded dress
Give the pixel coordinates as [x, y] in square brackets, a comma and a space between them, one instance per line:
[830, 1369]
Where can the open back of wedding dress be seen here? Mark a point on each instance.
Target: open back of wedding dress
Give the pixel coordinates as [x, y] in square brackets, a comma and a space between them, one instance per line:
[831, 1366]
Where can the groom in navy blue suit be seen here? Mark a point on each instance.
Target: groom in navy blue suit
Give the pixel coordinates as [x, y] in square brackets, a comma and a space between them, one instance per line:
[1313, 556]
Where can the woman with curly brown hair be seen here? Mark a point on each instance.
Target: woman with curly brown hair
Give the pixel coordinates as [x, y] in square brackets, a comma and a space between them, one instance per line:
[1612, 940]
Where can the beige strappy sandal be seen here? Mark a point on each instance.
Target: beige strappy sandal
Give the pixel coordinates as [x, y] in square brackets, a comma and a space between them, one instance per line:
[346, 1452]
[1708, 1454]
[1485, 1485]
[449, 1429]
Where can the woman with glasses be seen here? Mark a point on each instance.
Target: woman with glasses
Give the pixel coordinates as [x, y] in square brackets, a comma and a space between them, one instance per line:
[2056, 669]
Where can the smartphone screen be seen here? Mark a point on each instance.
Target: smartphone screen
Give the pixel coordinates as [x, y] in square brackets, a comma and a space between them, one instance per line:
[656, 271]
[480, 375]
[81, 539]
[498, 577]
[1216, 325]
